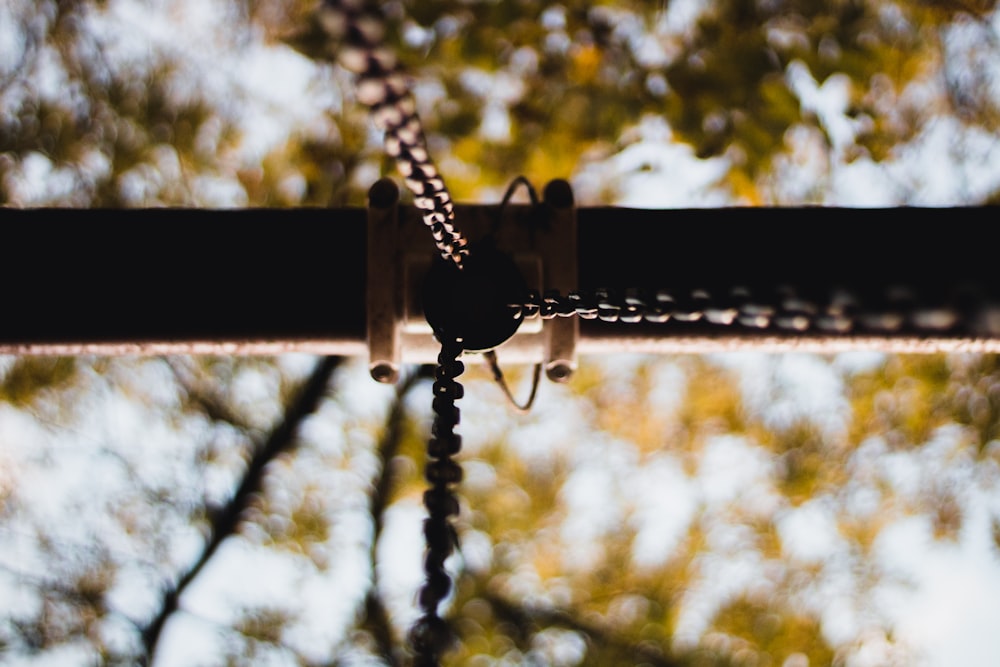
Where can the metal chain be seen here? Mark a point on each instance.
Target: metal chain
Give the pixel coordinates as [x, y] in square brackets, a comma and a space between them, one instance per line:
[385, 89]
[383, 86]
[840, 312]
[430, 635]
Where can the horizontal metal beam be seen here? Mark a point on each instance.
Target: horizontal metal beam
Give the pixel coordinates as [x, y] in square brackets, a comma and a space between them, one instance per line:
[266, 281]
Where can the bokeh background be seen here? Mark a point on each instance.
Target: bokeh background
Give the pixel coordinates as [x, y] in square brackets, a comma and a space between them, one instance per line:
[735, 509]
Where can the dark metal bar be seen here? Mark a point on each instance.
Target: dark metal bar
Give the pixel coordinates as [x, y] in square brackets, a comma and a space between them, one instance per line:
[921, 263]
[806, 247]
[177, 279]
[273, 280]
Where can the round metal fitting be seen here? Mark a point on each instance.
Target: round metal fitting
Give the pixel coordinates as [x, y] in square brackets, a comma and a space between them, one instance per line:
[474, 304]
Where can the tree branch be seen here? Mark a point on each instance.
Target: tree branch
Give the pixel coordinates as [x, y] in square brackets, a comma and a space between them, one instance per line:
[530, 621]
[225, 522]
[376, 618]
[209, 403]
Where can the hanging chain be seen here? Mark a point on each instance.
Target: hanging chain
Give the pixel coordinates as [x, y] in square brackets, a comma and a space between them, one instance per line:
[384, 88]
[431, 636]
[839, 312]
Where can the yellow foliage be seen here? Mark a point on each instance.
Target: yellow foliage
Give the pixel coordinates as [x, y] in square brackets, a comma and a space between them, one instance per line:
[556, 156]
[265, 624]
[586, 61]
[712, 401]
[863, 531]
[744, 189]
[807, 465]
[772, 631]
[30, 377]
[905, 401]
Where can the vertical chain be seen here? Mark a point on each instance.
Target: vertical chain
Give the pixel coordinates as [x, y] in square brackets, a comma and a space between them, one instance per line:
[383, 87]
[431, 636]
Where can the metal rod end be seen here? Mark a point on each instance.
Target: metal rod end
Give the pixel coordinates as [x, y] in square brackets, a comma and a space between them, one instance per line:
[559, 370]
[384, 193]
[384, 372]
[559, 193]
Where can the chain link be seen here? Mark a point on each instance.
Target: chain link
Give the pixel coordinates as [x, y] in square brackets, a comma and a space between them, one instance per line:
[431, 636]
[383, 86]
[385, 89]
[841, 312]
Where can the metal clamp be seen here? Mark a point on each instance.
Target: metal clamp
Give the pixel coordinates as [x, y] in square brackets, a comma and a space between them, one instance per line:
[541, 240]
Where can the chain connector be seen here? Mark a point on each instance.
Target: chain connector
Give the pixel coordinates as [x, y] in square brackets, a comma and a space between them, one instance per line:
[541, 242]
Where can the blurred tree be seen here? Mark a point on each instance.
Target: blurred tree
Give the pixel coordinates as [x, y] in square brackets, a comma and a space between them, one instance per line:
[220, 113]
[656, 510]
[659, 511]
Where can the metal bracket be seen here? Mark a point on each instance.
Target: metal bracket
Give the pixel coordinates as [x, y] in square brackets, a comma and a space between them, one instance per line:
[542, 242]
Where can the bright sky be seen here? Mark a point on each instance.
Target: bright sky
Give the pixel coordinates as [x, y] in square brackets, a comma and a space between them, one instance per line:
[949, 612]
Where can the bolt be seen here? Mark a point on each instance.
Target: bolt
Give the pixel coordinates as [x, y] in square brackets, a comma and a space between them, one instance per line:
[384, 193]
[558, 193]
[384, 372]
[559, 371]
